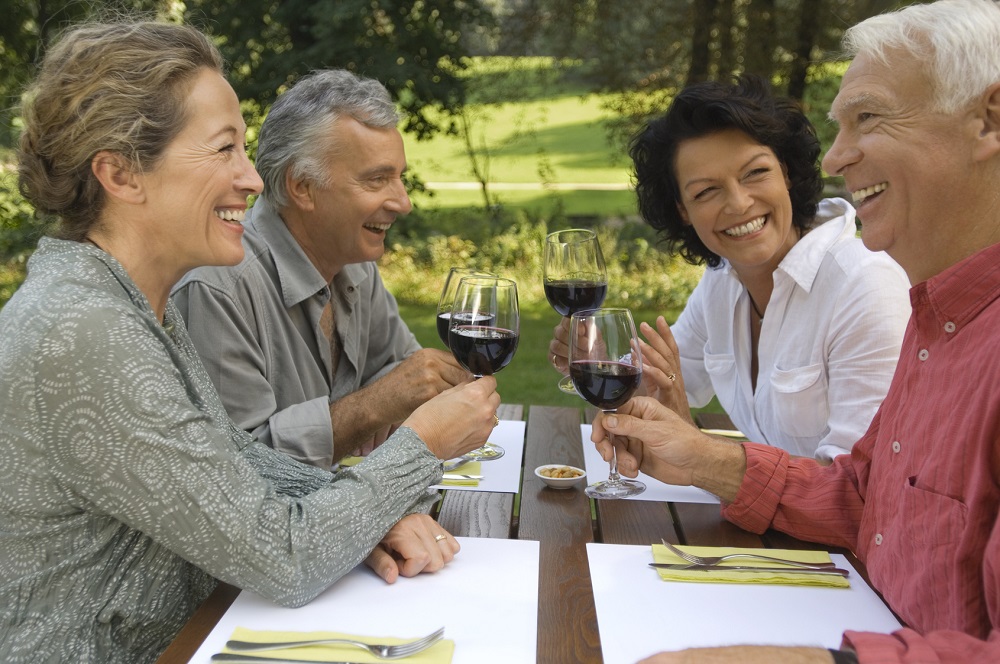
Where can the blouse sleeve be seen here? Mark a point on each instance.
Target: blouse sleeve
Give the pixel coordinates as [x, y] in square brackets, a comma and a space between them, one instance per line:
[133, 435]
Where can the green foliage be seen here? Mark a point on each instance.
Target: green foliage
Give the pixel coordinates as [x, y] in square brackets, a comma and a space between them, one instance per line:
[639, 275]
[413, 48]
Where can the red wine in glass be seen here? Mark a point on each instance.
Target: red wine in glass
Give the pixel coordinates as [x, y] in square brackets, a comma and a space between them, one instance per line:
[574, 276]
[567, 296]
[444, 322]
[605, 365]
[481, 349]
[606, 385]
[447, 299]
[483, 332]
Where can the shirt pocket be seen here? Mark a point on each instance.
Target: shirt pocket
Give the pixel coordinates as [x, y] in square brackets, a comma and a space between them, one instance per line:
[721, 370]
[799, 400]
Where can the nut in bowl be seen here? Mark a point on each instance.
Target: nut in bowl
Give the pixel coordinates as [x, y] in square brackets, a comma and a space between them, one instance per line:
[560, 476]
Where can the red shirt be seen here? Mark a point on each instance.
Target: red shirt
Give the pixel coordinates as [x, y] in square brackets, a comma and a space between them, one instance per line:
[917, 499]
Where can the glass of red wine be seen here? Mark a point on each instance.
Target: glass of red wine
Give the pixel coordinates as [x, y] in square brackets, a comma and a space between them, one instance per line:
[574, 275]
[483, 333]
[605, 365]
[447, 299]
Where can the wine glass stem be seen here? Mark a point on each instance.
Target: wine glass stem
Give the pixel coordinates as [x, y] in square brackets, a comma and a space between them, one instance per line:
[613, 475]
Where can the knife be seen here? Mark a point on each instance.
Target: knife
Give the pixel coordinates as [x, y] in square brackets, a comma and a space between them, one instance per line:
[744, 568]
[250, 659]
[452, 476]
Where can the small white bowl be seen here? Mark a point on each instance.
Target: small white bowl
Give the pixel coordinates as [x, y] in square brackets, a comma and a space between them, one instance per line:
[561, 482]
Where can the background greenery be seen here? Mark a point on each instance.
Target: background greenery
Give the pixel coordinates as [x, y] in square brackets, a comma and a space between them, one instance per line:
[516, 117]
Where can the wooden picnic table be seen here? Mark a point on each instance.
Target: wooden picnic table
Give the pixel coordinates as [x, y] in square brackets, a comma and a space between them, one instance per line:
[563, 522]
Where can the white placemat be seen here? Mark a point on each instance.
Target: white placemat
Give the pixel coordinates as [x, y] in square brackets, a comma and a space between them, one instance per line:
[638, 614]
[503, 474]
[486, 599]
[597, 471]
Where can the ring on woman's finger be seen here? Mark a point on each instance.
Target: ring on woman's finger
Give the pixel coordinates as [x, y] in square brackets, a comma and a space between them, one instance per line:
[438, 538]
[553, 359]
[496, 420]
[671, 376]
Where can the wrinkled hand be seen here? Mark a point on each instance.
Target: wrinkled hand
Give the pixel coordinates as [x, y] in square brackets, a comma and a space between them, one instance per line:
[661, 368]
[421, 377]
[380, 437]
[410, 548]
[743, 655]
[457, 420]
[654, 439]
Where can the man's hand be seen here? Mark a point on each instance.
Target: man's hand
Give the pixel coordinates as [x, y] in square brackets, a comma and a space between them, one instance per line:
[364, 419]
[743, 655]
[417, 543]
[654, 439]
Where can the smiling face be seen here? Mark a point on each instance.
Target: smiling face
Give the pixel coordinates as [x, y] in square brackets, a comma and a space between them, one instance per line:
[345, 221]
[907, 167]
[197, 193]
[734, 192]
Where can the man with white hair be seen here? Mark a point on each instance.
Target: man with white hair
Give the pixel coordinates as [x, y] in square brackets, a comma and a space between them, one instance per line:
[918, 499]
[302, 339]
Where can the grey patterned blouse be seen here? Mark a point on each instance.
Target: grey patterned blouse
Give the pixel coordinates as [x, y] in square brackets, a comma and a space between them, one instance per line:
[126, 491]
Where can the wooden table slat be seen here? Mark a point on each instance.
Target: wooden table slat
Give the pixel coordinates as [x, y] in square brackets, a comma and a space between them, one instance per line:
[560, 520]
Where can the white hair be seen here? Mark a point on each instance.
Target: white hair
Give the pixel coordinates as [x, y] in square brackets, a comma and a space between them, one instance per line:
[959, 40]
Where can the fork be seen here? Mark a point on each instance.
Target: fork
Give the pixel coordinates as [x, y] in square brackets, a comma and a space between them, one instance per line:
[715, 560]
[395, 651]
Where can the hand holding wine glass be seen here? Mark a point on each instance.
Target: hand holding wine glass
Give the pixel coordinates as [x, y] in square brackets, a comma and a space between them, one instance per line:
[484, 331]
[574, 275]
[605, 365]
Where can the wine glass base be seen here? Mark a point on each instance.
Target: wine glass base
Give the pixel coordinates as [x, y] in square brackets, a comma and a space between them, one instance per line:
[566, 385]
[488, 452]
[610, 490]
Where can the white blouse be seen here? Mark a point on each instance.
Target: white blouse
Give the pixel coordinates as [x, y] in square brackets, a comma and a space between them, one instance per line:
[828, 345]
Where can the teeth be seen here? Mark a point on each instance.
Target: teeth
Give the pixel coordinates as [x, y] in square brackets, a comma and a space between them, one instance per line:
[378, 227]
[230, 215]
[747, 228]
[861, 194]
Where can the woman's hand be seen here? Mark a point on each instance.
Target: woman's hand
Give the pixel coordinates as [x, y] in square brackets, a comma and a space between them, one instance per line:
[559, 347]
[415, 545]
[459, 419]
[654, 439]
[661, 368]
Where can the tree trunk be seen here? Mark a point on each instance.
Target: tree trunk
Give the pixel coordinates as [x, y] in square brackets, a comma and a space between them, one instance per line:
[758, 50]
[701, 38]
[805, 38]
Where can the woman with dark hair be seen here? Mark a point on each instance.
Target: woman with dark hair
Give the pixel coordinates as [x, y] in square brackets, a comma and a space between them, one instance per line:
[795, 326]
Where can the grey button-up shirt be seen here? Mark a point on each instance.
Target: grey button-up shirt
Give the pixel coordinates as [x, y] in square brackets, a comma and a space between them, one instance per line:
[126, 490]
[256, 326]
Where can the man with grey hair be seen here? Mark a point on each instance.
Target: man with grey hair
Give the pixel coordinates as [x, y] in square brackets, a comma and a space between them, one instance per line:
[302, 339]
[918, 498]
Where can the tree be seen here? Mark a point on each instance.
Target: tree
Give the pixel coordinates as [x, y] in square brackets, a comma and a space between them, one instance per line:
[413, 47]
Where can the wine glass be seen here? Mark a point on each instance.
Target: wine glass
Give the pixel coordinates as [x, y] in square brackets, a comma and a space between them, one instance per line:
[483, 333]
[605, 365]
[574, 275]
[447, 299]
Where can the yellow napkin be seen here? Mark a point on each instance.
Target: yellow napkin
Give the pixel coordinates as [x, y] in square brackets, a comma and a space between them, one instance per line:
[439, 653]
[467, 468]
[662, 555]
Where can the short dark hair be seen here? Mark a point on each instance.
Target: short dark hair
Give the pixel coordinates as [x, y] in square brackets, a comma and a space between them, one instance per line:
[700, 109]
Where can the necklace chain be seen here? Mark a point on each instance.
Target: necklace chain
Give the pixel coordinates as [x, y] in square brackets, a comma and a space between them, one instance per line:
[753, 304]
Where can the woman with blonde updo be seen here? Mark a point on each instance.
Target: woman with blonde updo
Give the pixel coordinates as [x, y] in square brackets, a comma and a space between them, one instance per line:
[126, 491]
